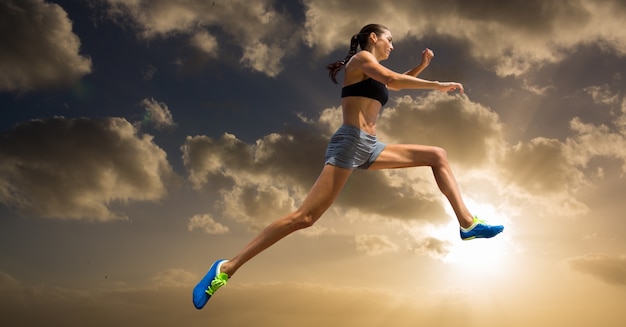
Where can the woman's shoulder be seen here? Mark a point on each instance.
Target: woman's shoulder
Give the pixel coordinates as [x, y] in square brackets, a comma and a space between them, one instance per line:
[356, 62]
[363, 55]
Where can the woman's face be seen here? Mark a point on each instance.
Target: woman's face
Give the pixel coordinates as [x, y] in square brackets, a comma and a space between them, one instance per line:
[384, 45]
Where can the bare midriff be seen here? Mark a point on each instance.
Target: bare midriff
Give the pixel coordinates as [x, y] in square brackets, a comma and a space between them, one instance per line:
[361, 112]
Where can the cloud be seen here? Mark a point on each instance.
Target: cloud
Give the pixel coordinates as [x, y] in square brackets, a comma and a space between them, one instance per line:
[591, 141]
[207, 224]
[433, 247]
[374, 244]
[205, 42]
[258, 182]
[470, 133]
[510, 38]
[157, 114]
[257, 204]
[174, 278]
[602, 94]
[557, 169]
[261, 182]
[542, 166]
[28, 30]
[264, 34]
[609, 269]
[75, 168]
[8, 282]
[170, 304]
[545, 172]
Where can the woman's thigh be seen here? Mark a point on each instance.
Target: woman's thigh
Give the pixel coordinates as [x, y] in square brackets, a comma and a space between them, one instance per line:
[408, 155]
[325, 190]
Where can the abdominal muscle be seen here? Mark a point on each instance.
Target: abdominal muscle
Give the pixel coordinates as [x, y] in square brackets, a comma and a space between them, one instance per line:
[361, 112]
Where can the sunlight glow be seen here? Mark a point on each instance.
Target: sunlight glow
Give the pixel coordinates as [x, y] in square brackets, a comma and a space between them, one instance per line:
[480, 255]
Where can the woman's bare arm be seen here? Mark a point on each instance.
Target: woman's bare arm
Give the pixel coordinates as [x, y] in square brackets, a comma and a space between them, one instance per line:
[367, 63]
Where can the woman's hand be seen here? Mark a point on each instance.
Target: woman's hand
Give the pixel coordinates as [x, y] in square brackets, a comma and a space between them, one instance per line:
[427, 55]
[450, 86]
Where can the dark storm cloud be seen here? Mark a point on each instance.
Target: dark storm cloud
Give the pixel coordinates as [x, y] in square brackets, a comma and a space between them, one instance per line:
[263, 33]
[75, 168]
[37, 47]
[509, 37]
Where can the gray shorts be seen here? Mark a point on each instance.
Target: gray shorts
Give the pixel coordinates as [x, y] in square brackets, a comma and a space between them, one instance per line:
[352, 148]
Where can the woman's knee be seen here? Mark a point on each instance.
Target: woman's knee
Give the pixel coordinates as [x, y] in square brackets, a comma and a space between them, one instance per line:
[300, 219]
[440, 156]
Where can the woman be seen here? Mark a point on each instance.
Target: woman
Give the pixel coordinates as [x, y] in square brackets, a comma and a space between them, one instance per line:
[354, 146]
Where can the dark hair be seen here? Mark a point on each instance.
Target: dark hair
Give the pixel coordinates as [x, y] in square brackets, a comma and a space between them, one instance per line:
[359, 39]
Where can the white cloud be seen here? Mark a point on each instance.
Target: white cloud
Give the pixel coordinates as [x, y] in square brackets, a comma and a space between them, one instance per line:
[510, 38]
[262, 57]
[39, 49]
[602, 94]
[433, 247]
[174, 278]
[260, 182]
[542, 166]
[206, 42]
[256, 203]
[374, 244]
[264, 34]
[207, 224]
[591, 141]
[470, 132]
[157, 114]
[75, 168]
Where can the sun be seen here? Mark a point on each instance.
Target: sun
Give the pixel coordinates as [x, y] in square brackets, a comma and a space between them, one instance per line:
[481, 255]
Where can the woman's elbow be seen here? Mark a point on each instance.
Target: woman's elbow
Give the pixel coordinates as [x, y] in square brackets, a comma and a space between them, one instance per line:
[394, 84]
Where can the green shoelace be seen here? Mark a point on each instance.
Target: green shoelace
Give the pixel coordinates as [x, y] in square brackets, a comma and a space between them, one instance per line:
[480, 221]
[220, 280]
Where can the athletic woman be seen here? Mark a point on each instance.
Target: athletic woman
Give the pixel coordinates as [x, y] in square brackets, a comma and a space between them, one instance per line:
[355, 146]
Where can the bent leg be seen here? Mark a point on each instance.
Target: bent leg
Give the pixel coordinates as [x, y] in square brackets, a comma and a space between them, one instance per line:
[413, 155]
[320, 197]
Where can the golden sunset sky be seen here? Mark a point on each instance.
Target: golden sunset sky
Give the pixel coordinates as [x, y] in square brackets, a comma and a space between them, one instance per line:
[142, 140]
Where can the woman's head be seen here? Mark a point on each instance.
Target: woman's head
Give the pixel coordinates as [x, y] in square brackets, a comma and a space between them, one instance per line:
[364, 36]
[364, 40]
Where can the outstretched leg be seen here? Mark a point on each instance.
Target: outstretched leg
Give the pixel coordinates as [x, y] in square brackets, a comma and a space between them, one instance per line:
[412, 155]
[320, 197]
[409, 155]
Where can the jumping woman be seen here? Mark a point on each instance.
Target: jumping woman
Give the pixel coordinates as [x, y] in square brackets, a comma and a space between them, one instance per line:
[355, 146]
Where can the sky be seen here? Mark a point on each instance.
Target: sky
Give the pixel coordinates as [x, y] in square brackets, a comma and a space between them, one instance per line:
[142, 140]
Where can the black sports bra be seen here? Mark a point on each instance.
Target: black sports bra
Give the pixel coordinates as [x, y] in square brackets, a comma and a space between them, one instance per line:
[369, 88]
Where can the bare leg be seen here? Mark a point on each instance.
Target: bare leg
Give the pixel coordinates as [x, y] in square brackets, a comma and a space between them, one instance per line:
[320, 197]
[411, 155]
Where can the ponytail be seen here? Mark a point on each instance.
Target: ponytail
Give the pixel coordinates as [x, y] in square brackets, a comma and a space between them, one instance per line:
[359, 39]
[336, 66]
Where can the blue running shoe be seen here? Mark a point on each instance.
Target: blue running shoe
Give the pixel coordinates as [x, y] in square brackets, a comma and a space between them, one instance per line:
[211, 282]
[480, 229]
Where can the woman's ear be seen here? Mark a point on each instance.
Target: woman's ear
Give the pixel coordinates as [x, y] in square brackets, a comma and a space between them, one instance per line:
[373, 37]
